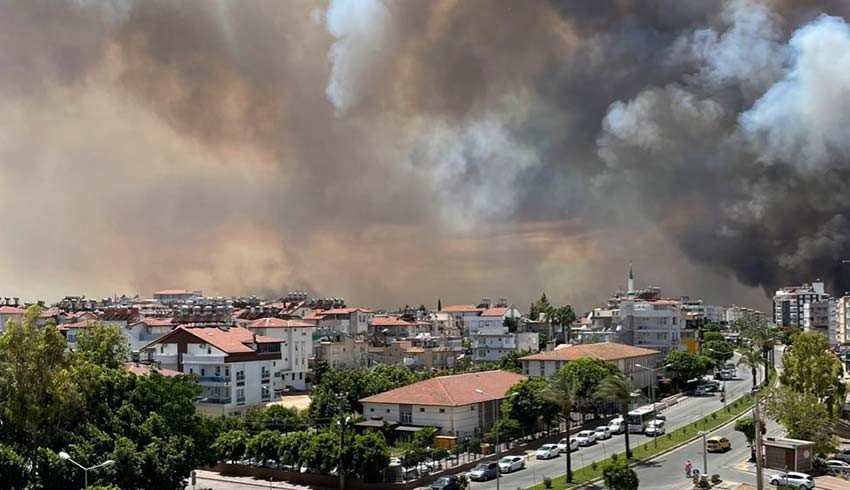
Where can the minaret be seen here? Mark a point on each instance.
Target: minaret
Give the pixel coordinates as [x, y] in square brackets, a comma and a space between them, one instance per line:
[631, 280]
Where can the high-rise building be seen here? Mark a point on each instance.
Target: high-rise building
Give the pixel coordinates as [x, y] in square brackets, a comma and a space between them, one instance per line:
[792, 305]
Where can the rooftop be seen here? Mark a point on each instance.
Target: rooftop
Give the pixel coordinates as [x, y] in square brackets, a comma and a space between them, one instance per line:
[606, 351]
[12, 310]
[232, 340]
[278, 323]
[451, 391]
[460, 309]
[498, 311]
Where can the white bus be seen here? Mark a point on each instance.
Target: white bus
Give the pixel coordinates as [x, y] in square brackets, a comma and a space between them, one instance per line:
[639, 417]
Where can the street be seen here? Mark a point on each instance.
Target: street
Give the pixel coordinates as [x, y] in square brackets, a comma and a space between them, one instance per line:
[690, 409]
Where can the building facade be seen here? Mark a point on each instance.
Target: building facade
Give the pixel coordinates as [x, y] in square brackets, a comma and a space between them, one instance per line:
[792, 305]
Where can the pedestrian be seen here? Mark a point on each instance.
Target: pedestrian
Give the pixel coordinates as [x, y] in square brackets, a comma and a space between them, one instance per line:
[688, 468]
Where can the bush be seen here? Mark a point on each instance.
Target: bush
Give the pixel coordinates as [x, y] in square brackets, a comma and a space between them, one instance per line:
[714, 415]
[620, 476]
[594, 466]
[715, 478]
[614, 457]
[462, 481]
[547, 482]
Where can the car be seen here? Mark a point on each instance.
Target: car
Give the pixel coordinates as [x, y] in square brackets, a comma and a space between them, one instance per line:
[843, 455]
[617, 426]
[547, 451]
[429, 466]
[446, 483]
[654, 428]
[730, 366]
[837, 464]
[511, 463]
[700, 391]
[562, 444]
[660, 416]
[586, 438]
[717, 444]
[484, 471]
[793, 479]
[602, 432]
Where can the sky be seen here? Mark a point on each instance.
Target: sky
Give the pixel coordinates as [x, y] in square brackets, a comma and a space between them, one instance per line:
[395, 153]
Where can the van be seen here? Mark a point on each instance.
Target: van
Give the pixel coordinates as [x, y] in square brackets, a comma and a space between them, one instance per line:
[617, 426]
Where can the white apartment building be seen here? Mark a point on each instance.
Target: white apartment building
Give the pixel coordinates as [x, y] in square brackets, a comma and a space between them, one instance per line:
[170, 296]
[297, 347]
[839, 322]
[235, 366]
[144, 331]
[491, 344]
[651, 324]
[791, 305]
[491, 317]
[715, 314]
[465, 316]
[348, 321]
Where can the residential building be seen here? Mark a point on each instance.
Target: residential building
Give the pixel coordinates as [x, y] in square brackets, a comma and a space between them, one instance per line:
[341, 352]
[653, 324]
[817, 315]
[10, 312]
[463, 315]
[171, 296]
[491, 316]
[347, 321]
[625, 357]
[491, 344]
[739, 313]
[145, 330]
[791, 305]
[423, 352]
[840, 322]
[234, 365]
[459, 405]
[297, 348]
[715, 314]
[390, 327]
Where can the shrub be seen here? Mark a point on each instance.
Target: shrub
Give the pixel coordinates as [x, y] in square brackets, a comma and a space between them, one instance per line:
[614, 457]
[594, 466]
[714, 415]
[620, 476]
[715, 478]
[547, 482]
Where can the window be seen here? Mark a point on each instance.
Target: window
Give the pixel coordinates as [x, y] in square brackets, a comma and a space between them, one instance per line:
[442, 410]
[472, 408]
[209, 350]
[161, 349]
[371, 409]
[203, 372]
[218, 370]
[421, 409]
[388, 410]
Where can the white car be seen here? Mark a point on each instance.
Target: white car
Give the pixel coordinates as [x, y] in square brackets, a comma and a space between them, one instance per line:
[617, 426]
[586, 438]
[562, 444]
[793, 479]
[837, 464]
[547, 451]
[602, 432]
[842, 455]
[511, 463]
[654, 428]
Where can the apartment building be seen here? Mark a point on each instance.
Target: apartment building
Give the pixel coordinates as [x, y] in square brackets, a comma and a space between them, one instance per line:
[235, 366]
[424, 352]
[10, 312]
[347, 321]
[341, 352]
[171, 296]
[792, 305]
[652, 324]
[840, 322]
[491, 344]
[297, 347]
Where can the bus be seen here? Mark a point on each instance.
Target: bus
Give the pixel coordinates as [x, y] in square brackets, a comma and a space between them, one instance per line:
[639, 417]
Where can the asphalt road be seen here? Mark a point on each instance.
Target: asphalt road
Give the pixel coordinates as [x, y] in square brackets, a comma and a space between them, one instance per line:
[690, 409]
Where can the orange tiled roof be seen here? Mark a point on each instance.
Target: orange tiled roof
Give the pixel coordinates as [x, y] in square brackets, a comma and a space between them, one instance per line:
[145, 369]
[231, 341]
[157, 322]
[500, 311]
[606, 351]
[451, 391]
[278, 323]
[389, 321]
[11, 310]
[460, 309]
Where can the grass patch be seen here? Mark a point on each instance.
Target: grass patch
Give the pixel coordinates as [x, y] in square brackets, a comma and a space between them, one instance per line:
[681, 435]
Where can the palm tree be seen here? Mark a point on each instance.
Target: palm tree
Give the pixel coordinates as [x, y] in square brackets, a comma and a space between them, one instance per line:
[565, 316]
[752, 359]
[620, 388]
[561, 390]
[762, 336]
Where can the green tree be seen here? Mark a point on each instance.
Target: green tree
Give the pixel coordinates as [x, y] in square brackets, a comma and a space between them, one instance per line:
[103, 345]
[752, 359]
[618, 475]
[686, 365]
[541, 306]
[371, 456]
[805, 417]
[564, 317]
[264, 446]
[761, 335]
[719, 351]
[13, 469]
[511, 361]
[708, 336]
[527, 403]
[231, 445]
[619, 388]
[424, 437]
[810, 368]
[292, 448]
[562, 392]
[507, 429]
[747, 426]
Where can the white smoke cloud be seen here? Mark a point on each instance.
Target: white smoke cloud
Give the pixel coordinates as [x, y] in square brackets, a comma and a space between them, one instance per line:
[360, 28]
[804, 119]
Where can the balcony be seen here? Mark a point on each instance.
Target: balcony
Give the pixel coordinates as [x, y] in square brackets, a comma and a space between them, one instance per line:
[215, 379]
[216, 401]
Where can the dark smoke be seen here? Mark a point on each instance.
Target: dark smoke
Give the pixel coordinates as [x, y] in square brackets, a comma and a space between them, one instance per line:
[394, 152]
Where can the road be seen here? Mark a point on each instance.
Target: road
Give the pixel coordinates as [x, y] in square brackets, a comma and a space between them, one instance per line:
[690, 409]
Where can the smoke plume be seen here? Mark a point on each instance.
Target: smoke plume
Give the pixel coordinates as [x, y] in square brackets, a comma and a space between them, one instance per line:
[396, 152]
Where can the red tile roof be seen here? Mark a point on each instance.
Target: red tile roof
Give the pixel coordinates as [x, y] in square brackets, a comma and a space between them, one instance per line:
[389, 321]
[343, 311]
[230, 341]
[79, 324]
[278, 323]
[606, 351]
[313, 316]
[460, 309]
[500, 311]
[157, 322]
[451, 391]
[145, 369]
[11, 310]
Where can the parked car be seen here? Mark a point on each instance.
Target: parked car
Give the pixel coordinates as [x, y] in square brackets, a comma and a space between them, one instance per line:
[617, 426]
[654, 428]
[511, 463]
[602, 432]
[547, 451]
[717, 444]
[730, 366]
[660, 416]
[562, 444]
[843, 455]
[446, 483]
[484, 471]
[793, 479]
[586, 438]
[426, 467]
[837, 464]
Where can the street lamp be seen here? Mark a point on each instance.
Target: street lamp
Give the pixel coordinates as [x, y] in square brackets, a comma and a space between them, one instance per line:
[704, 452]
[498, 444]
[67, 457]
[342, 423]
[652, 395]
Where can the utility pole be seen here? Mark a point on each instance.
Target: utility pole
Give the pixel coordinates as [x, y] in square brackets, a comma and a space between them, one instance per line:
[341, 467]
[757, 413]
[704, 453]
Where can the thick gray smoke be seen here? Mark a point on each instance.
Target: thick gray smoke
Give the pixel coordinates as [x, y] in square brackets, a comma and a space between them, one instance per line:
[396, 152]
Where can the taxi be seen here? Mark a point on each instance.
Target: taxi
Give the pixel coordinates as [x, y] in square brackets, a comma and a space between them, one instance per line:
[717, 444]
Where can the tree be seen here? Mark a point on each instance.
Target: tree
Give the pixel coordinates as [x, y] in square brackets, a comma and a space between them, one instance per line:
[564, 317]
[719, 351]
[761, 336]
[424, 437]
[103, 345]
[511, 361]
[747, 426]
[588, 373]
[708, 336]
[507, 429]
[561, 390]
[541, 306]
[805, 417]
[527, 403]
[686, 366]
[811, 369]
[292, 447]
[752, 359]
[231, 445]
[13, 469]
[619, 475]
[620, 388]
[371, 456]
[264, 446]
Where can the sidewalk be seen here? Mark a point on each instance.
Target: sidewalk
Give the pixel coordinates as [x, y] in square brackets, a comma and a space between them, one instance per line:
[247, 480]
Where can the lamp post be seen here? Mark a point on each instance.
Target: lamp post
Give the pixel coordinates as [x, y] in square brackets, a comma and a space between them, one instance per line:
[757, 413]
[704, 452]
[67, 457]
[498, 445]
[342, 423]
[652, 395]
